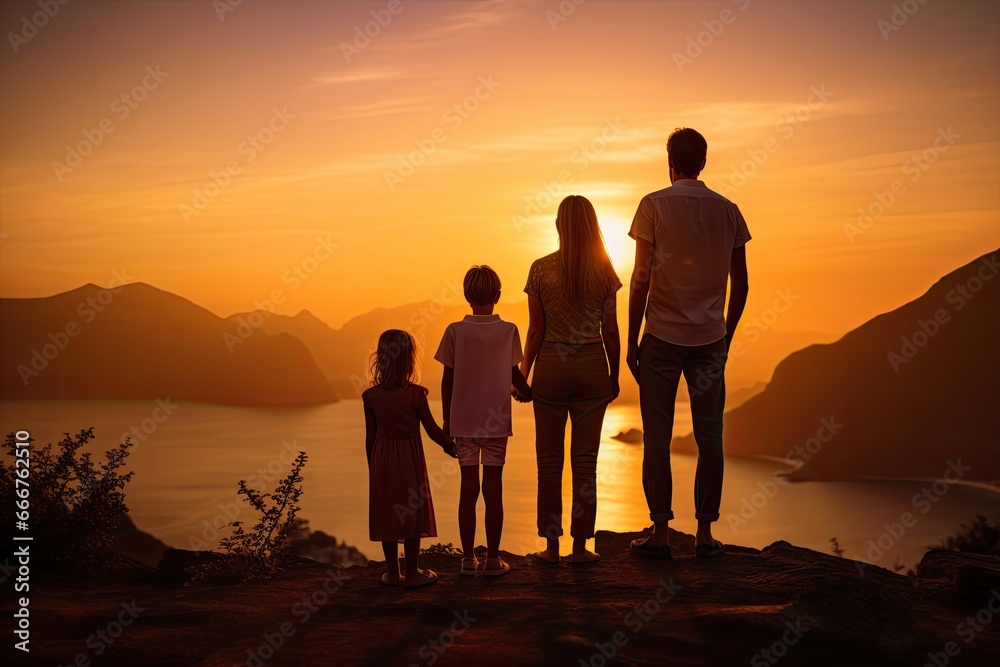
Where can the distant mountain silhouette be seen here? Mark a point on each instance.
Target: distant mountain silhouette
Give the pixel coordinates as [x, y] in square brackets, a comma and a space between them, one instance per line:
[900, 396]
[140, 342]
[343, 353]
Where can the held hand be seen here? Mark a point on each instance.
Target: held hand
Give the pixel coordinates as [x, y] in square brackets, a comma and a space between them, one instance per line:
[451, 450]
[632, 360]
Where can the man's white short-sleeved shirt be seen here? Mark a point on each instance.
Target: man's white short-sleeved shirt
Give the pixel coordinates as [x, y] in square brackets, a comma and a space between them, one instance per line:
[482, 350]
[693, 231]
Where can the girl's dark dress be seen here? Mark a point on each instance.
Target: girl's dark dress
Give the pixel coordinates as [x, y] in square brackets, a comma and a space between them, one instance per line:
[399, 495]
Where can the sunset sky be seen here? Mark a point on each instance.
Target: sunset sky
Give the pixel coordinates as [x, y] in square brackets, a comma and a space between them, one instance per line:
[323, 206]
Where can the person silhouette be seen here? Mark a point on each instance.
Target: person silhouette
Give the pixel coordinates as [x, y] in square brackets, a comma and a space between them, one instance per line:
[690, 241]
[573, 343]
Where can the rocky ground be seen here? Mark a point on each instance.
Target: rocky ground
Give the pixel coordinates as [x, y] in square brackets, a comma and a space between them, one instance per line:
[781, 605]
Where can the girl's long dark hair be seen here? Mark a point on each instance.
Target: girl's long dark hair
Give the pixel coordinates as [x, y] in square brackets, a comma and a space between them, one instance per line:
[394, 362]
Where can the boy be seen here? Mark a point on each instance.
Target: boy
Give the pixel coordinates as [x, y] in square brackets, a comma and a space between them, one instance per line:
[481, 356]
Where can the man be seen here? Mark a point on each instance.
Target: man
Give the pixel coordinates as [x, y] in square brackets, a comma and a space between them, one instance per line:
[689, 241]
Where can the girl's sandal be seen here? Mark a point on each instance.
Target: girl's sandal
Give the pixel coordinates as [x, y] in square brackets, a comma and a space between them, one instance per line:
[542, 558]
[431, 577]
[386, 581]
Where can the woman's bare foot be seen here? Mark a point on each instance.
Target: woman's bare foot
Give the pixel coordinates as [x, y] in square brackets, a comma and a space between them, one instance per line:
[547, 555]
[550, 554]
[581, 554]
[420, 578]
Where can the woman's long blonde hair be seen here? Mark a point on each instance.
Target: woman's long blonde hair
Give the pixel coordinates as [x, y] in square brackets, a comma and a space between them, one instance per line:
[586, 266]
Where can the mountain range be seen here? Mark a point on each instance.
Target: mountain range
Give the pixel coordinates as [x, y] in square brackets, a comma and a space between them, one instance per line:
[343, 354]
[137, 341]
[910, 393]
[906, 394]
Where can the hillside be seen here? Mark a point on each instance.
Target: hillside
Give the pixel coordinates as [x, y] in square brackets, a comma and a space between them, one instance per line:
[137, 341]
[900, 396]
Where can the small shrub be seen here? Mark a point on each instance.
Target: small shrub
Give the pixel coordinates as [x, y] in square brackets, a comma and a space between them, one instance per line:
[264, 551]
[442, 550]
[74, 502]
[979, 537]
[836, 548]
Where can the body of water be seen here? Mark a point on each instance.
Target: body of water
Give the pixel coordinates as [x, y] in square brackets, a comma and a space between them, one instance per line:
[189, 457]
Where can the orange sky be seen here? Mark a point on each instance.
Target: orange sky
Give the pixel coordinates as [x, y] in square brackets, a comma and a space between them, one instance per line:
[310, 212]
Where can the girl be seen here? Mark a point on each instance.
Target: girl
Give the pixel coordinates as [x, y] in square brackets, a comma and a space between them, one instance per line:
[399, 495]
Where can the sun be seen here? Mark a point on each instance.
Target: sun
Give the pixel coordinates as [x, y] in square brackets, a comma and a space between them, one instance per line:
[621, 247]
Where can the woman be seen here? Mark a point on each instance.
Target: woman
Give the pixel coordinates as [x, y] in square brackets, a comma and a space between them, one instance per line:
[572, 340]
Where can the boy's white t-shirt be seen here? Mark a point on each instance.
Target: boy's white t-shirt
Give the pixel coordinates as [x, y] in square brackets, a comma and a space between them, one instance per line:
[481, 349]
[693, 231]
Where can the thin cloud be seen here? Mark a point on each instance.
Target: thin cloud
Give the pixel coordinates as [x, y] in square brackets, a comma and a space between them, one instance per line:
[383, 108]
[361, 75]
